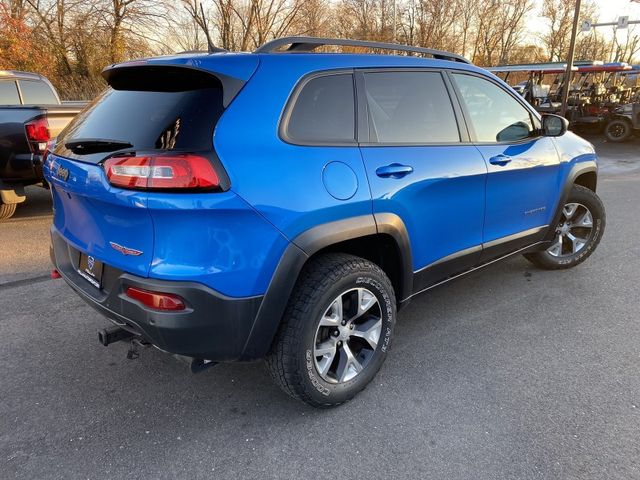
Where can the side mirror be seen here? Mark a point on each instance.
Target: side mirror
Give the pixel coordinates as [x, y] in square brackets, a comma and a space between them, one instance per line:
[554, 125]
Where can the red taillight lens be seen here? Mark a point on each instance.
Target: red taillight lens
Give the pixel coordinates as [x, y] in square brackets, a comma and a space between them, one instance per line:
[162, 172]
[38, 134]
[156, 300]
[51, 144]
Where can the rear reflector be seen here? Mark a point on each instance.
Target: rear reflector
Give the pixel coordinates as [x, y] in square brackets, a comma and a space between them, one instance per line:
[166, 171]
[55, 274]
[156, 300]
[38, 134]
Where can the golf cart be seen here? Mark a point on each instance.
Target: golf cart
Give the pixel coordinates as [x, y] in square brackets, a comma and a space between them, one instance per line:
[624, 120]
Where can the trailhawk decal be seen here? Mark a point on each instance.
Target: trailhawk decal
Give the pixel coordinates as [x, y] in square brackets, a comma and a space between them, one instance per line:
[125, 250]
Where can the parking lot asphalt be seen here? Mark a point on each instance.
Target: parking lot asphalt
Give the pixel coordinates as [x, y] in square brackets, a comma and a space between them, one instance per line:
[508, 373]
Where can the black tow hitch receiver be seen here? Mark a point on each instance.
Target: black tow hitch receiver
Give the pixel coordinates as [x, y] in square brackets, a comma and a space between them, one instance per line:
[110, 335]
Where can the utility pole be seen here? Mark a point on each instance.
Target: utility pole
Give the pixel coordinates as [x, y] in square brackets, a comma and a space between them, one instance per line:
[394, 22]
[572, 50]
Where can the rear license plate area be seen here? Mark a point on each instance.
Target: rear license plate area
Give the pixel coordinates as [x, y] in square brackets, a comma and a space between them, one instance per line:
[91, 270]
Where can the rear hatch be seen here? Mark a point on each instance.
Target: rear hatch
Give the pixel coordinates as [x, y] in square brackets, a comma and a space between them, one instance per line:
[151, 130]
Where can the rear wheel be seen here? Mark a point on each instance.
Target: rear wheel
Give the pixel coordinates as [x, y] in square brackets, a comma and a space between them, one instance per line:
[7, 210]
[336, 330]
[618, 130]
[577, 234]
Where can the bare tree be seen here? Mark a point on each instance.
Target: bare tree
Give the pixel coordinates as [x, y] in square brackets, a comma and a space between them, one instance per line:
[626, 51]
[559, 16]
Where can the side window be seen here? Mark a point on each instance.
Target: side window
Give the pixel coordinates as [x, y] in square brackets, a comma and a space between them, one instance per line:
[409, 107]
[9, 93]
[324, 111]
[37, 93]
[495, 115]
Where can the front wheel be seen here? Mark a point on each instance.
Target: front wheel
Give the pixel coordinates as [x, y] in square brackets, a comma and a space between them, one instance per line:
[577, 234]
[336, 330]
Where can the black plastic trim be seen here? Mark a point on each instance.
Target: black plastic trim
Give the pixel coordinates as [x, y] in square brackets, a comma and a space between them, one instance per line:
[308, 44]
[275, 302]
[391, 224]
[212, 326]
[296, 255]
[505, 245]
[327, 234]
[471, 258]
[528, 248]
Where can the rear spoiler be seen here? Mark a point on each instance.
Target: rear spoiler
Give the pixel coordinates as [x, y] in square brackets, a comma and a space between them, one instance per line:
[175, 74]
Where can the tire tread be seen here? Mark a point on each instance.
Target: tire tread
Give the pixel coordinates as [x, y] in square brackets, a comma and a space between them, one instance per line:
[316, 277]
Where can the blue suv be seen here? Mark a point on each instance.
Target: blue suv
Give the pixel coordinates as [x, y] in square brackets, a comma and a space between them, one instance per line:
[284, 204]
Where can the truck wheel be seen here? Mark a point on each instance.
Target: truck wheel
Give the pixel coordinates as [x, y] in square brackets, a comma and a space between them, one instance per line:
[577, 234]
[618, 130]
[336, 330]
[7, 210]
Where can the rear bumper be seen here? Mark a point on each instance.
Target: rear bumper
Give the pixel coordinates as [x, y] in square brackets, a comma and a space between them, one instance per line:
[213, 326]
[22, 169]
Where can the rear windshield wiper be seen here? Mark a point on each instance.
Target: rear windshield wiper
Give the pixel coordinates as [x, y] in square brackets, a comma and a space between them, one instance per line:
[82, 146]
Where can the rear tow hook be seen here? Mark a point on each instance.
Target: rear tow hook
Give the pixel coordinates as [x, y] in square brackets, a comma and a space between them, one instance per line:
[134, 351]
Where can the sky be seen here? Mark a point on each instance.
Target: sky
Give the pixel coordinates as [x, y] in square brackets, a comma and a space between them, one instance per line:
[609, 11]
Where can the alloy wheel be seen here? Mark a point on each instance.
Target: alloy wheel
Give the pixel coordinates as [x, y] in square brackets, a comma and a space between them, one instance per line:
[347, 335]
[573, 231]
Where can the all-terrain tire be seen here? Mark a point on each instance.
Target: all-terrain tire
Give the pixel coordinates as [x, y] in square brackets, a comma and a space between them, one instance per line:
[583, 196]
[292, 360]
[7, 210]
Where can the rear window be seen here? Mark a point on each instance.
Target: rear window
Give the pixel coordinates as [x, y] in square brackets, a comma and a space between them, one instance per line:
[37, 93]
[148, 120]
[324, 112]
[9, 93]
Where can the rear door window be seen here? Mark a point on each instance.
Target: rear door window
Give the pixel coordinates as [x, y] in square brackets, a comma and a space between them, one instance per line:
[9, 93]
[37, 93]
[409, 107]
[324, 111]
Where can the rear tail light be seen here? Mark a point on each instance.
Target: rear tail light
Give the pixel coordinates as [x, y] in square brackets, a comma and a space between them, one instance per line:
[48, 149]
[37, 134]
[156, 300]
[164, 171]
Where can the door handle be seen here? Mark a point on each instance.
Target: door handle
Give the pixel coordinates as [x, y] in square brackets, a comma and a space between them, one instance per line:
[501, 160]
[395, 170]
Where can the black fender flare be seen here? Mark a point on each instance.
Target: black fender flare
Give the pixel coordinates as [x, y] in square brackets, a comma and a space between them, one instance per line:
[296, 255]
[578, 169]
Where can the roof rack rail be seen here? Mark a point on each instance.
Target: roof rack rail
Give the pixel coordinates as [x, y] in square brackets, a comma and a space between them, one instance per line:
[308, 44]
